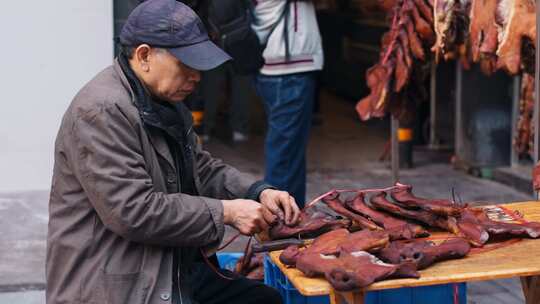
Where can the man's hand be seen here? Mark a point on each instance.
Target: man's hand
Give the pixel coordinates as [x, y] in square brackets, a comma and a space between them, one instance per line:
[281, 204]
[247, 216]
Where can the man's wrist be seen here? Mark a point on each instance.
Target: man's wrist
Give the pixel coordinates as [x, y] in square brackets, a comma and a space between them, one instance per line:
[256, 189]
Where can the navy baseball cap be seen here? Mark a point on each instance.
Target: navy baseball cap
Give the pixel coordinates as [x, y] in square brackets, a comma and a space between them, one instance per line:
[174, 26]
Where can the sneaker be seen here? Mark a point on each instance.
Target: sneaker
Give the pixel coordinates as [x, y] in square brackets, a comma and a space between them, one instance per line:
[240, 137]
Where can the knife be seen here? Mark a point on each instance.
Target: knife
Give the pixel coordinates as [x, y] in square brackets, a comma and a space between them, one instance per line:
[277, 245]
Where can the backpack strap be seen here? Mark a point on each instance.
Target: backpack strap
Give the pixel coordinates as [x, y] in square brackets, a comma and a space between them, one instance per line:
[284, 14]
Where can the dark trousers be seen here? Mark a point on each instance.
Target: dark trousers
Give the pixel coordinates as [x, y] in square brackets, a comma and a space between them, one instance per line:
[212, 90]
[288, 101]
[209, 288]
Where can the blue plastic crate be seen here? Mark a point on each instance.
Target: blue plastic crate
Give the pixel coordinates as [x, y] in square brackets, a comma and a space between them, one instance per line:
[227, 260]
[440, 294]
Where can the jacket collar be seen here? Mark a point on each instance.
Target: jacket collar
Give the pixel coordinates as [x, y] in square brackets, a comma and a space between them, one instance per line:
[158, 140]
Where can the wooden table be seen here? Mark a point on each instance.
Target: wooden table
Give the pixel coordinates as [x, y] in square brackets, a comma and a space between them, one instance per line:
[520, 259]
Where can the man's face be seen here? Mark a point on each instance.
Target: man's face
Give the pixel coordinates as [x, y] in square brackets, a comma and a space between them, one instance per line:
[166, 77]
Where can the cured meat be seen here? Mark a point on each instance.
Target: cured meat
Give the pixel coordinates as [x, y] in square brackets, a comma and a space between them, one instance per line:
[311, 223]
[333, 201]
[378, 79]
[402, 70]
[497, 228]
[352, 271]
[403, 195]
[447, 223]
[472, 229]
[483, 29]
[423, 28]
[416, 44]
[411, 30]
[451, 27]
[525, 124]
[425, 9]
[424, 253]
[517, 21]
[334, 242]
[366, 240]
[396, 228]
[254, 269]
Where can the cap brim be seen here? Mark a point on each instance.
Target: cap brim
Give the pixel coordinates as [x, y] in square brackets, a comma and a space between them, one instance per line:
[202, 56]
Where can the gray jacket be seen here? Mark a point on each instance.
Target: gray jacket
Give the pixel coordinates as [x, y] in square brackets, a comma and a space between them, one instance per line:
[114, 219]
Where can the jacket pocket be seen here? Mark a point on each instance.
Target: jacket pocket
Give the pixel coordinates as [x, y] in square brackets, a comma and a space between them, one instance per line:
[130, 288]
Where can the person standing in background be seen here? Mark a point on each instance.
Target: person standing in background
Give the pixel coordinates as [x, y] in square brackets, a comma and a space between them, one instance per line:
[217, 15]
[286, 83]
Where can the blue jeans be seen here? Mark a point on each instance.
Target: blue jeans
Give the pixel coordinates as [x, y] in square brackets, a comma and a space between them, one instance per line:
[288, 100]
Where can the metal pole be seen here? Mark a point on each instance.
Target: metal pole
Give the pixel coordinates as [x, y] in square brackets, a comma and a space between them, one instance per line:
[394, 149]
[433, 107]
[516, 89]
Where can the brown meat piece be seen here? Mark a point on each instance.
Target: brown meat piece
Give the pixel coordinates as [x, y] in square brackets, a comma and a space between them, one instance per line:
[332, 200]
[425, 9]
[365, 240]
[414, 41]
[378, 79]
[403, 195]
[471, 229]
[396, 228]
[311, 223]
[446, 223]
[402, 71]
[517, 19]
[424, 253]
[404, 41]
[482, 28]
[423, 28]
[352, 271]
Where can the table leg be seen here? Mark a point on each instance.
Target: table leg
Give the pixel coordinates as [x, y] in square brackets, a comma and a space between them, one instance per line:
[531, 289]
[357, 297]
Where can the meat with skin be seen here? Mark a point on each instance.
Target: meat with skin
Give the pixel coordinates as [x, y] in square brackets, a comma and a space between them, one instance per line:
[447, 223]
[451, 28]
[402, 71]
[424, 253]
[347, 272]
[471, 229]
[403, 195]
[525, 123]
[497, 228]
[332, 200]
[483, 30]
[423, 28]
[396, 228]
[404, 42]
[334, 242]
[415, 43]
[254, 269]
[517, 21]
[378, 79]
[536, 177]
[365, 240]
[311, 223]
[425, 10]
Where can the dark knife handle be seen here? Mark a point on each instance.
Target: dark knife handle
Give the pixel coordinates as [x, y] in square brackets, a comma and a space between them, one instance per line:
[276, 245]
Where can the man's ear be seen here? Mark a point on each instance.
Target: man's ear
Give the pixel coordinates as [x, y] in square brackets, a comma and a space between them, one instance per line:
[142, 56]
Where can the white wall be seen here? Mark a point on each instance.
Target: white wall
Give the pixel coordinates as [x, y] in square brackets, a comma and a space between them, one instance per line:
[48, 50]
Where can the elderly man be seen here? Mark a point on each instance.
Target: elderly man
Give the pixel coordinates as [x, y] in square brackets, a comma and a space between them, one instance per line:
[135, 202]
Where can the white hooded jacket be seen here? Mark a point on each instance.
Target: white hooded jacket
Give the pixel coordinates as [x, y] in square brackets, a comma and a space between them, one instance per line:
[305, 47]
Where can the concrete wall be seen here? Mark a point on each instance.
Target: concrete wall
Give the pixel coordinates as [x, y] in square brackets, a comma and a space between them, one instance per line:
[48, 50]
